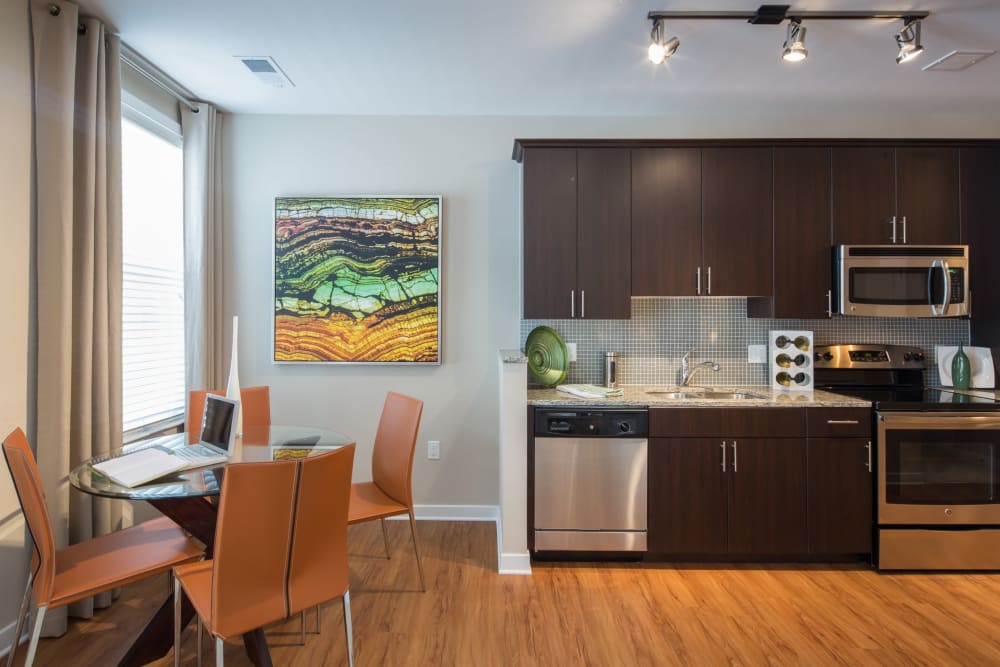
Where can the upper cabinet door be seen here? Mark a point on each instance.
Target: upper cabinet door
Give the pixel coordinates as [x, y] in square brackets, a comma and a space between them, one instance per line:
[666, 221]
[864, 199]
[803, 264]
[736, 221]
[549, 232]
[604, 215]
[927, 195]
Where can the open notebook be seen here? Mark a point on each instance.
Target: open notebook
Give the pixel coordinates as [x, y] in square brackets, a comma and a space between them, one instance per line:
[146, 465]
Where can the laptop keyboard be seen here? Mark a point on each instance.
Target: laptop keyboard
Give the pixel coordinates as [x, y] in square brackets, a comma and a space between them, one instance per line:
[196, 455]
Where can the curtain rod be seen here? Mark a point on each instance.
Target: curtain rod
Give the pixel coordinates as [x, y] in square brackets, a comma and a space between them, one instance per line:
[158, 77]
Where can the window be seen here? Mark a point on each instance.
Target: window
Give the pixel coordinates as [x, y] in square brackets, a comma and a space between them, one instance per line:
[152, 275]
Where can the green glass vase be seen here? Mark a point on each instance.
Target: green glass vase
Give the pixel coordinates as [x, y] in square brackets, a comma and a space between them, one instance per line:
[961, 370]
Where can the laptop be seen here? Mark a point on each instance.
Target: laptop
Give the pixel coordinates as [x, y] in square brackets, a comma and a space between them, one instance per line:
[218, 429]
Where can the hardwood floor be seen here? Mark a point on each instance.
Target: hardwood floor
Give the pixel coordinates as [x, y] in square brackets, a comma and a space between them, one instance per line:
[585, 614]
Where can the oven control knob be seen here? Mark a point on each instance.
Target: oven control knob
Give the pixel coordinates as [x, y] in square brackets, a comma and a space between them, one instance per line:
[947, 511]
[907, 356]
[624, 427]
[828, 356]
[918, 356]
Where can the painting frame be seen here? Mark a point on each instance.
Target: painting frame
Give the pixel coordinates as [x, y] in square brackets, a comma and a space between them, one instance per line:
[418, 319]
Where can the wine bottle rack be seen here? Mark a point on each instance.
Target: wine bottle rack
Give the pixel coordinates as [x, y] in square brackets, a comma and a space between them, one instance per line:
[791, 360]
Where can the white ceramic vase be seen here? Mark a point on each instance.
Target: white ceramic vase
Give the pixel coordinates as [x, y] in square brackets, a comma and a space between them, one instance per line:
[233, 386]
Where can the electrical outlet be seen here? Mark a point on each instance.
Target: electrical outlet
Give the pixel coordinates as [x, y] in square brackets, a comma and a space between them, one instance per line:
[571, 349]
[433, 450]
[756, 354]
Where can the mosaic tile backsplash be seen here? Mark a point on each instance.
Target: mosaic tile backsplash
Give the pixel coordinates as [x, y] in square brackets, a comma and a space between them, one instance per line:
[651, 344]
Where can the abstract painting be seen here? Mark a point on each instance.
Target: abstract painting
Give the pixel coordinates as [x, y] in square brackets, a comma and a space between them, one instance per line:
[357, 279]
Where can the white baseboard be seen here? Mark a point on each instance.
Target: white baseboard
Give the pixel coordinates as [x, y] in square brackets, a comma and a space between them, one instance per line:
[7, 633]
[515, 563]
[453, 513]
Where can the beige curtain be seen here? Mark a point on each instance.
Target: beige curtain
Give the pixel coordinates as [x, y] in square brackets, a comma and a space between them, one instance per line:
[77, 173]
[204, 334]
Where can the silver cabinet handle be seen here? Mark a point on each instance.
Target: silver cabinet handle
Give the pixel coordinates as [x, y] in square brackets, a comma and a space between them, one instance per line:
[842, 421]
[583, 303]
[572, 303]
[904, 229]
[697, 274]
[829, 303]
[869, 448]
[723, 445]
[709, 276]
[735, 454]
[893, 223]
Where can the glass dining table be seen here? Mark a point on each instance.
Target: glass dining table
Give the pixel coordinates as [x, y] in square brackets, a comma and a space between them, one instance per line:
[182, 496]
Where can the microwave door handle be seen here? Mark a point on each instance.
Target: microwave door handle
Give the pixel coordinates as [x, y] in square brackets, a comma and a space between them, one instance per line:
[943, 266]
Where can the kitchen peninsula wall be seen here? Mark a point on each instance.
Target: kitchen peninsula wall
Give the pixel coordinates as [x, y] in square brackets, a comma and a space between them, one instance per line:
[650, 344]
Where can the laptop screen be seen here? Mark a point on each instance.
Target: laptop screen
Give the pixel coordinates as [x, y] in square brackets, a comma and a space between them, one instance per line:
[217, 424]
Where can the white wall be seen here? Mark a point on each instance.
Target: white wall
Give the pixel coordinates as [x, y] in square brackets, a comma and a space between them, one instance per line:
[467, 160]
[15, 147]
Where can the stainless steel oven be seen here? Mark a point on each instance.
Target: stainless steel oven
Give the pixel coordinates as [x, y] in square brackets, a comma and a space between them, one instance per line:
[903, 281]
[939, 490]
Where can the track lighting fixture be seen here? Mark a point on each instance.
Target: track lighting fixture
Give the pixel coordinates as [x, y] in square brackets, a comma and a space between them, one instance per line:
[908, 41]
[794, 48]
[659, 50]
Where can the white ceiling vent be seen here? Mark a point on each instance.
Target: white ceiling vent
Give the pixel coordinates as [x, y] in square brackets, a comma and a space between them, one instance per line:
[266, 71]
[956, 61]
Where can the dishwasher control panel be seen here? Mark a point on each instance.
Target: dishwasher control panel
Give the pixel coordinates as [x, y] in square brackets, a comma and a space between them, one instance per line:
[595, 423]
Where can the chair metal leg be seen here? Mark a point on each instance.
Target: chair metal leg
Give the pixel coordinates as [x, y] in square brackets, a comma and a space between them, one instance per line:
[200, 641]
[177, 622]
[218, 652]
[302, 627]
[36, 632]
[416, 551]
[385, 539]
[317, 620]
[348, 629]
[22, 612]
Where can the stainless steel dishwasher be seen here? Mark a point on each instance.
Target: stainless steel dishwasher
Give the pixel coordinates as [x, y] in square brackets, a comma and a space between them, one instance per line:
[590, 480]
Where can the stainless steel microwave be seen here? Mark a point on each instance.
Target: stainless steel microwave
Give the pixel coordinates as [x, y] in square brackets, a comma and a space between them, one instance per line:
[902, 280]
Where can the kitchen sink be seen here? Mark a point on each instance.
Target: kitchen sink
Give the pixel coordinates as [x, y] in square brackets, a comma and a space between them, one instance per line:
[708, 395]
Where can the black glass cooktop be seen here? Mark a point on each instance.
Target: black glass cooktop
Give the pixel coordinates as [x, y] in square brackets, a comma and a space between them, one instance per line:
[917, 398]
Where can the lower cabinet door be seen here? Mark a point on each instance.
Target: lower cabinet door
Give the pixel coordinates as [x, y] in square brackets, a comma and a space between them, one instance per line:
[767, 496]
[687, 496]
[840, 496]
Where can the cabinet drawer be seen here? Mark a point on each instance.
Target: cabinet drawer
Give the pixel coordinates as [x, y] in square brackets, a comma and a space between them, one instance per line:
[727, 422]
[840, 422]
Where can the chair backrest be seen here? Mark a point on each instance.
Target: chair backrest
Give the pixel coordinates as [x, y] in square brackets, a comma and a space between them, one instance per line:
[392, 458]
[252, 542]
[255, 404]
[318, 566]
[30, 493]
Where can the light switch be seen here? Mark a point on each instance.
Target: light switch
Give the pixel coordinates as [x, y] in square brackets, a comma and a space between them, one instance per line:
[756, 354]
[571, 349]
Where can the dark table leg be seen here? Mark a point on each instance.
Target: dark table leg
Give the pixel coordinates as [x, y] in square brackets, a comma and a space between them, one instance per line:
[255, 644]
[157, 638]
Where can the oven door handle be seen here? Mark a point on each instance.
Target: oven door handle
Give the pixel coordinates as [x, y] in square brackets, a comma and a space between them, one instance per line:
[943, 266]
[962, 421]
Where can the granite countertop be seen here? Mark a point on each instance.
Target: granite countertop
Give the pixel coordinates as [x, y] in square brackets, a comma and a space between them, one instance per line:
[636, 396]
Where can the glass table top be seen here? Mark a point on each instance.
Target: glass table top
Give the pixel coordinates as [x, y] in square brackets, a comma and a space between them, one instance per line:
[268, 443]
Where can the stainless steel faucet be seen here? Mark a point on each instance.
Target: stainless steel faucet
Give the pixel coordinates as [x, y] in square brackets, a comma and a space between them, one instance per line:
[688, 371]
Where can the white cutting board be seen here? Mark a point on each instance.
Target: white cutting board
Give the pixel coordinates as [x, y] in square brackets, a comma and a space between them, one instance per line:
[980, 359]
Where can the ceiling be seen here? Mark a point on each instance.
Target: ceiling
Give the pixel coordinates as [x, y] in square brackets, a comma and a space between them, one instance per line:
[545, 57]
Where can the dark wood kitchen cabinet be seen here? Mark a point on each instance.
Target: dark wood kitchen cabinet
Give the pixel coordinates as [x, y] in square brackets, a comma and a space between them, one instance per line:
[577, 233]
[906, 194]
[981, 231]
[840, 496]
[722, 493]
[802, 263]
[701, 221]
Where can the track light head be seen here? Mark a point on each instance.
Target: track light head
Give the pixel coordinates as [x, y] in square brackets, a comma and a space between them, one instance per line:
[659, 50]
[794, 48]
[908, 41]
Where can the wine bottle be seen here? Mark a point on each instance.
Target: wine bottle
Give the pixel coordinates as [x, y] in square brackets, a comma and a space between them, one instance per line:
[783, 360]
[781, 341]
[784, 378]
[800, 360]
[961, 371]
[801, 378]
[802, 342]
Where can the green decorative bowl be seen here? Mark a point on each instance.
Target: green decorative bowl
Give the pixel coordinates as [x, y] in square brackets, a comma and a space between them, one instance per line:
[548, 359]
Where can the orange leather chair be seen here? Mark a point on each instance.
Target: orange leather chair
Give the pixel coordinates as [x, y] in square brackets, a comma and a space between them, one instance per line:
[61, 576]
[255, 403]
[231, 593]
[318, 563]
[390, 491]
